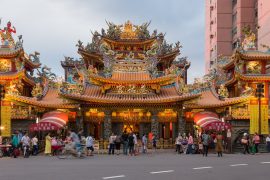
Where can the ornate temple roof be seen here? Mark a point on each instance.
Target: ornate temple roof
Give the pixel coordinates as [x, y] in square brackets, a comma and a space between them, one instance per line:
[50, 100]
[6, 52]
[209, 99]
[95, 95]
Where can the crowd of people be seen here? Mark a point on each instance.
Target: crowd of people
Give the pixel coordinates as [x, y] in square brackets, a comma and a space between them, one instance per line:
[21, 143]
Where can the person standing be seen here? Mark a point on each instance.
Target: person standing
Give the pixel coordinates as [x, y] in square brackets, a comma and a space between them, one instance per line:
[117, 144]
[131, 144]
[256, 141]
[124, 138]
[245, 143]
[144, 143]
[48, 144]
[135, 144]
[15, 144]
[154, 142]
[190, 143]
[112, 144]
[35, 145]
[268, 143]
[219, 144]
[89, 145]
[178, 143]
[205, 141]
[26, 145]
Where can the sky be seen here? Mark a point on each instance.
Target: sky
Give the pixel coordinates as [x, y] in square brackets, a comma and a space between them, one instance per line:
[53, 27]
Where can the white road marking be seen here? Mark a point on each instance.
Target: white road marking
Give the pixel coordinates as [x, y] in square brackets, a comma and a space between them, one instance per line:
[206, 167]
[113, 177]
[159, 172]
[265, 162]
[234, 165]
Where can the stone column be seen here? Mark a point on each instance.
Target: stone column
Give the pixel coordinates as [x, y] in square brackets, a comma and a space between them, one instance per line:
[181, 121]
[107, 124]
[154, 123]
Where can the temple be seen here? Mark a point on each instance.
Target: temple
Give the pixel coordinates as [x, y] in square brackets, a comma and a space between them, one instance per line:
[129, 79]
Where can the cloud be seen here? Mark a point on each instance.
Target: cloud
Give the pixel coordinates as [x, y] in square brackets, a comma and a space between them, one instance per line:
[53, 27]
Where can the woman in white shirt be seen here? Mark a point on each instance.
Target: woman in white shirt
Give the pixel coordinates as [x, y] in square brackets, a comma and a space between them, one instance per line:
[268, 143]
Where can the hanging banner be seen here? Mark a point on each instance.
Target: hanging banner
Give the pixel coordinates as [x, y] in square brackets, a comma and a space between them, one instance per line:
[254, 116]
[6, 118]
[264, 116]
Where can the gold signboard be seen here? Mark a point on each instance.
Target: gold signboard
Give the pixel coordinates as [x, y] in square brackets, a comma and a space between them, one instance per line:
[254, 116]
[6, 118]
[264, 116]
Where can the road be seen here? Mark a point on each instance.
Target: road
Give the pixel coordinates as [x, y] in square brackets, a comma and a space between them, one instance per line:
[156, 166]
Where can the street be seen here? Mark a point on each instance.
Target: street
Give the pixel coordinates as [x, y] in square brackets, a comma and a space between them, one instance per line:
[156, 166]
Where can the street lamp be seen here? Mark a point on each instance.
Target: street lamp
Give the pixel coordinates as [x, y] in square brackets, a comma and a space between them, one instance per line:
[2, 96]
[259, 94]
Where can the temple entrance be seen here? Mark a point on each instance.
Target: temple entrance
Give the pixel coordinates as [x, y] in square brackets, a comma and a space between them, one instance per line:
[131, 128]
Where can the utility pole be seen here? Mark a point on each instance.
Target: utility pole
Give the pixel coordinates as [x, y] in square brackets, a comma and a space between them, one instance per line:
[259, 94]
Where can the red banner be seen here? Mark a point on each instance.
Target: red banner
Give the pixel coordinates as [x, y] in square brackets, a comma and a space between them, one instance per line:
[44, 126]
[218, 126]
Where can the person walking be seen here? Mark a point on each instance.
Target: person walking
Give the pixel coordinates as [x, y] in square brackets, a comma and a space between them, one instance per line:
[184, 143]
[245, 143]
[15, 144]
[144, 143]
[48, 145]
[124, 138]
[89, 145]
[268, 143]
[26, 145]
[205, 141]
[190, 143]
[154, 142]
[219, 144]
[117, 144]
[131, 144]
[112, 144]
[35, 145]
[178, 142]
[135, 144]
[256, 141]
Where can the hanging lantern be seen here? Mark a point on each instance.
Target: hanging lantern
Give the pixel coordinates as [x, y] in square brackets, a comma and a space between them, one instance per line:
[113, 114]
[162, 114]
[148, 114]
[174, 114]
[87, 114]
[140, 114]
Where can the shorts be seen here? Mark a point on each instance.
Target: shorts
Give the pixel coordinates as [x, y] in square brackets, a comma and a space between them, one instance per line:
[90, 148]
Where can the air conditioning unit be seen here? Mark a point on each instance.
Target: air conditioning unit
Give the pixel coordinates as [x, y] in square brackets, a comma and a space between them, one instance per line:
[212, 22]
[211, 8]
[211, 36]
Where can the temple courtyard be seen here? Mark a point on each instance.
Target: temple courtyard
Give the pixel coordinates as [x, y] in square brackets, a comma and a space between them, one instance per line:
[158, 165]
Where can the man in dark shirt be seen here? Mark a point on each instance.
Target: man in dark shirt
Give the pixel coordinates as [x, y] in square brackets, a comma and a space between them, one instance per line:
[124, 138]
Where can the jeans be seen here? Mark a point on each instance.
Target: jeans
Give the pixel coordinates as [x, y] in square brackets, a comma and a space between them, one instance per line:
[256, 147]
[205, 150]
[111, 149]
[268, 146]
[125, 147]
[189, 149]
[178, 148]
[246, 148]
[35, 149]
[131, 149]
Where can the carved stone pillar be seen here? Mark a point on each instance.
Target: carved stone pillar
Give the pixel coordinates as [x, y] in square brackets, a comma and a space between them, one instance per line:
[107, 124]
[181, 121]
[154, 123]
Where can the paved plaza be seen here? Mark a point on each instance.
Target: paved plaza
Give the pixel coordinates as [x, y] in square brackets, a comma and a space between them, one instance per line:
[156, 166]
